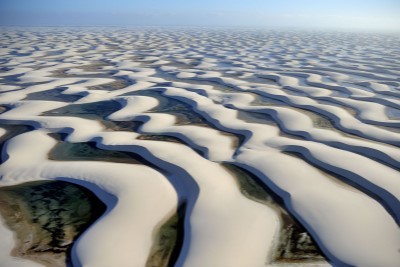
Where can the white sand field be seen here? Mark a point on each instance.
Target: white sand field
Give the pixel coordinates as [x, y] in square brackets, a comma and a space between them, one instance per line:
[314, 116]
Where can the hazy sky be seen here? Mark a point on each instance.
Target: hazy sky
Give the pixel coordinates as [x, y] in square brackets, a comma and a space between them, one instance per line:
[341, 14]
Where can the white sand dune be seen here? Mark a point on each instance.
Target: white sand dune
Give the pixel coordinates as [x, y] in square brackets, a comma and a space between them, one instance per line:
[315, 116]
[144, 199]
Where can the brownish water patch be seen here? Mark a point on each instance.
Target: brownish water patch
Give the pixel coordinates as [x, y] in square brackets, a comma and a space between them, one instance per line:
[47, 217]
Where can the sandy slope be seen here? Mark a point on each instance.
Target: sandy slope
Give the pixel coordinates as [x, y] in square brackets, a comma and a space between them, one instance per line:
[315, 116]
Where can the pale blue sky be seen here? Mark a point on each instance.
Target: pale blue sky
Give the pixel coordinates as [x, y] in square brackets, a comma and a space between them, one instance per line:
[331, 14]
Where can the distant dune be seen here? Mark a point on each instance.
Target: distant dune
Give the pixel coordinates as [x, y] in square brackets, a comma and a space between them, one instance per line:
[210, 148]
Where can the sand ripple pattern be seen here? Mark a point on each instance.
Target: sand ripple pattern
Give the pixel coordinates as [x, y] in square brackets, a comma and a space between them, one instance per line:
[315, 117]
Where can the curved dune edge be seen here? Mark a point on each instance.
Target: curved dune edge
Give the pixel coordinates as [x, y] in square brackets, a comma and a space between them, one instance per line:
[45, 224]
[137, 187]
[354, 221]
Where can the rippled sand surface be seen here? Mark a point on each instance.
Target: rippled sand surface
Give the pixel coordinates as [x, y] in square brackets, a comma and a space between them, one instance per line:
[209, 147]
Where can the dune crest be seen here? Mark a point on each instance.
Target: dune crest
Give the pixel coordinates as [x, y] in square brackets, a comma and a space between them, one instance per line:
[245, 148]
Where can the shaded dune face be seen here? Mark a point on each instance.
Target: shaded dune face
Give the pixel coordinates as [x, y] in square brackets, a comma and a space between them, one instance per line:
[197, 147]
[295, 245]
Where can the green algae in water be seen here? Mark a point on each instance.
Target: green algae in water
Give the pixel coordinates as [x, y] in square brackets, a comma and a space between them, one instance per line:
[182, 111]
[53, 95]
[160, 137]
[127, 126]
[47, 217]
[295, 245]
[65, 151]
[88, 151]
[169, 241]
[94, 66]
[184, 114]
[266, 101]
[95, 110]
[256, 117]
[12, 131]
[252, 187]
[196, 82]
[62, 73]
[115, 85]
